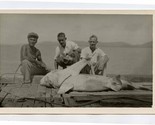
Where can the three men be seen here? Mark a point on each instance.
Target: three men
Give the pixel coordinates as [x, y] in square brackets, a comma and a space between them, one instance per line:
[98, 59]
[31, 61]
[67, 53]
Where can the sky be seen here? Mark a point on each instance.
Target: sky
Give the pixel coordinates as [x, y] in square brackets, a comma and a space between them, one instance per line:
[132, 29]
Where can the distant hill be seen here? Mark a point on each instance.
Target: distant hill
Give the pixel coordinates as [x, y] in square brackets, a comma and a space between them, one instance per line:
[119, 44]
[148, 44]
[116, 44]
[105, 44]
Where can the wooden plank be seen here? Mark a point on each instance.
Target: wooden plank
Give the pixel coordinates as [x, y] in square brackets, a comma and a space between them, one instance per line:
[122, 92]
[125, 102]
[7, 88]
[40, 102]
[40, 97]
[18, 78]
[69, 101]
[6, 97]
[16, 92]
[36, 79]
[2, 85]
[33, 90]
[9, 101]
[96, 97]
[11, 78]
[32, 97]
[21, 91]
[66, 100]
[27, 89]
[111, 101]
[10, 88]
[111, 98]
[53, 93]
[56, 99]
[3, 95]
[18, 103]
[41, 89]
[48, 97]
[28, 103]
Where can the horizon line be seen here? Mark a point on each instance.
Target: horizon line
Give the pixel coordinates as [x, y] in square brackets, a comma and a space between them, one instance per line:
[41, 42]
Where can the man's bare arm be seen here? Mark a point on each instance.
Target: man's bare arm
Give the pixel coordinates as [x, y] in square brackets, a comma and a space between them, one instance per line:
[40, 61]
[24, 55]
[106, 59]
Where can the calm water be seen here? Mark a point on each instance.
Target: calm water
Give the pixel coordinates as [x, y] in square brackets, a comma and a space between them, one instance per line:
[136, 61]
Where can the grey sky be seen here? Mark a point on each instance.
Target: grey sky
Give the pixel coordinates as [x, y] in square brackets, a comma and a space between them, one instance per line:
[133, 29]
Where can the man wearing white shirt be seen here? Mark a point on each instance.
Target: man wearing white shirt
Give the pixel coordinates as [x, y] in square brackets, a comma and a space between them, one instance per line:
[98, 59]
[67, 53]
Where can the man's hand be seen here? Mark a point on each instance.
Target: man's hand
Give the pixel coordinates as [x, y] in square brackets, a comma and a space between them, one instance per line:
[91, 63]
[41, 64]
[71, 53]
[88, 58]
[67, 59]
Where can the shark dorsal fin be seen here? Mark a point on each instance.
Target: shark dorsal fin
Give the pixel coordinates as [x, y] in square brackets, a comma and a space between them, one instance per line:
[72, 70]
[65, 87]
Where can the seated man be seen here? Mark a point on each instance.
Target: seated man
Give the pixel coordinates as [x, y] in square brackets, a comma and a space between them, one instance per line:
[98, 59]
[31, 61]
[67, 53]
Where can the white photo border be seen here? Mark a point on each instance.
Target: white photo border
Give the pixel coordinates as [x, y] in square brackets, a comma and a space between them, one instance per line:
[81, 111]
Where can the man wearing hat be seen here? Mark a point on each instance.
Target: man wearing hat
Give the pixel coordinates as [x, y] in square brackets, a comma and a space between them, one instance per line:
[31, 61]
[67, 53]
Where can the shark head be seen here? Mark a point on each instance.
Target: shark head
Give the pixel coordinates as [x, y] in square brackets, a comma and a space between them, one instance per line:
[115, 83]
[50, 79]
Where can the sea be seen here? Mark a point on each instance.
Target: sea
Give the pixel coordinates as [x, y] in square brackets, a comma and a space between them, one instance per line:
[123, 60]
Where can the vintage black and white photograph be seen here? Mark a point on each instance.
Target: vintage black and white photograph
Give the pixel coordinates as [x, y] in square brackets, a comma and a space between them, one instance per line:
[76, 60]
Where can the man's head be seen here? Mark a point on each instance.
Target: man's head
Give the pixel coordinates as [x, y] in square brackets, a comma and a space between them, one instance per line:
[32, 38]
[62, 39]
[93, 41]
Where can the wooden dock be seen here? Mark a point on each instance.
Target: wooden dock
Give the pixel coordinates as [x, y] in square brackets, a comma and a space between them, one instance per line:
[15, 94]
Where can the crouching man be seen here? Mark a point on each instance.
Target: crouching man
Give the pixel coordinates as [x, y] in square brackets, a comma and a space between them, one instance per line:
[31, 61]
[97, 58]
[67, 53]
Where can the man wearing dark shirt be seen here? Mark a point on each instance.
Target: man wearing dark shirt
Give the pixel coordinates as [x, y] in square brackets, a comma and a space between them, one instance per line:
[31, 61]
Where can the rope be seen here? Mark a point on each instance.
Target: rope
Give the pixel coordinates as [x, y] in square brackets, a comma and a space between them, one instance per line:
[14, 74]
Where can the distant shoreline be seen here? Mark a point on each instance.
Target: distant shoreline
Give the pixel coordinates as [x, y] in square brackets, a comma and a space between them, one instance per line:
[105, 44]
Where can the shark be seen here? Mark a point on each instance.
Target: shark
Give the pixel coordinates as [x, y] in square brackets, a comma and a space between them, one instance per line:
[70, 79]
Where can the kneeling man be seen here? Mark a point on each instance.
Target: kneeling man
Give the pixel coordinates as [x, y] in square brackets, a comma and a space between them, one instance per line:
[67, 53]
[98, 59]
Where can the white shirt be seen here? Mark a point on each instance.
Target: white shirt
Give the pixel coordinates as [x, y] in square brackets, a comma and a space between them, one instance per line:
[60, 51]
[95, 56]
